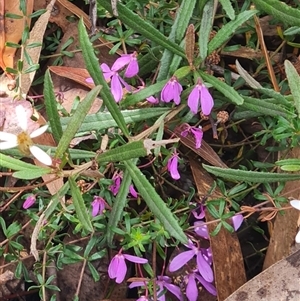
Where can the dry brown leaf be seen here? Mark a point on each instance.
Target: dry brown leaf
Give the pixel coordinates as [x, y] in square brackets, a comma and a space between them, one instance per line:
[36, 36]
[14, 29]
[280, 282]
[227, 255]
[285, 225]
[205, 151]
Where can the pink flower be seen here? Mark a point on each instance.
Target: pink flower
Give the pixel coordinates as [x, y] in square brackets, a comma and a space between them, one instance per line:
[173, 166]
[201, 229]
[98, 206]
[116, 81]
[200, 92]
[202, 259]
[152, 100]
[163, 282]
[171, 90]
[30, 200]
[117, 268]
[192, 289]
[114, 188]
[132, 65]
[196, 132]
[132, 191]
[201, 210]
[237, 221]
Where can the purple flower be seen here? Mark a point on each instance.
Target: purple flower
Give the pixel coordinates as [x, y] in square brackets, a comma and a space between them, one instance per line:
[114, 188]
[98, 205]
[142, 298]
[203, 266]
[201, 213]
[132, 191]
[132, 65]
[200, 92]
[30, 200]
[201, 229]
[152, 100]
[171, 90]
[192, 289]
[173, 166]
[195, 131]
[163, 282]
[237, 220]
[117, 268]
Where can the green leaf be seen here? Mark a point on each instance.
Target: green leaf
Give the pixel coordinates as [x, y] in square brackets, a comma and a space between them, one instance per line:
[15, 164]
[280, 10]
[118, 207]
[144, 28]
[51, 107]
[288, 162]
[227, 6]
[78, 202]
[124, 152]
[182, 20]
[76, 120]
[250, 176]
[290, 167]
[104, 120]
[95, 71]
[155, 203]
[228, 29]
[294, 83]
[29, 174]
[206, 28]
[222, 87]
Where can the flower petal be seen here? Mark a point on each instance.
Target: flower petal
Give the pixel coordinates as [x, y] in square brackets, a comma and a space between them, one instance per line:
[294, 203]
[113, 267]
[121, 62]
[206, 100]
[167, 92]
[180, 260]
[39, 154]
[39, 131]
[237, 220]
[89, 80]
[191, 288]
[135, 259]
[297, 238]
[8, 144]
[208, 286]
[201, 229]
[173, 167]
[193, 99]
[95, 207]
[8, 137]
[204, 268]
[122, 270]
[22, 117]
[198, 135]
[174, 289]
[132, 69]
[116, 88]
[29, 202]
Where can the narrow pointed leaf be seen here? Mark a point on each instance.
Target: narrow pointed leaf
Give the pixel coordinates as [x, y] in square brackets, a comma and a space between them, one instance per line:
[81, 210]
[51, 107]
[76, 120]
[250, 176]
[95, 71]
[29, 174]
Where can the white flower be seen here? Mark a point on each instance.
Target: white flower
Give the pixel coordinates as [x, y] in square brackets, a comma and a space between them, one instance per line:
[296, 204]
[22, 140]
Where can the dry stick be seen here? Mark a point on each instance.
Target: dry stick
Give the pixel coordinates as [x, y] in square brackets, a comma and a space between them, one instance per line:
[266, 55]
[81, 277]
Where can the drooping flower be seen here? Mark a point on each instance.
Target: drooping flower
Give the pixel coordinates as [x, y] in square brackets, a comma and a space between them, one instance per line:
[203, 266]
[116, 81]
[152, 100]
[296, 205]
[237, 221]
[117, 268]
[199, 213]
[132, 191]
[127, 59]
[192, 289]
[30, 200]
[173, 166]
[200, 93]
[163, 282]
[114, 188]
[171, 91]
[23, 140]
[98, 206]
[195, 131]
